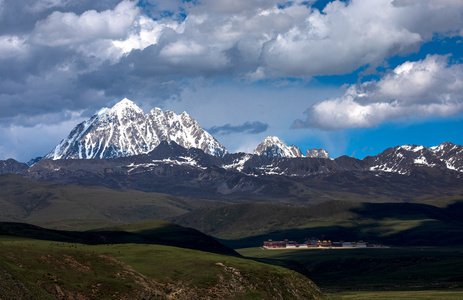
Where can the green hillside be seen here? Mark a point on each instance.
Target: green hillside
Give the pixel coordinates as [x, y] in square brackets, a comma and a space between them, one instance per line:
[247, 225]
[409, 269]
[136, 267]
[84, 207]
[148, 232]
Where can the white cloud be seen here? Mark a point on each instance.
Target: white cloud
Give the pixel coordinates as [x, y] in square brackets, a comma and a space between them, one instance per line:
[343, 38]
[424, 88]
[81, 54]
[146, 32]
[255, 39]
[263, 40]
[62, 29]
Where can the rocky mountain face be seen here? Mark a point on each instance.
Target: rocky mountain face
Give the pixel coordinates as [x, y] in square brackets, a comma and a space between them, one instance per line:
[273, 147]
[397, 173]
[403, 159]
[33, 161]
[12, 166]
[191, 173]
[124, 130]
[160, 151]
[317, 153]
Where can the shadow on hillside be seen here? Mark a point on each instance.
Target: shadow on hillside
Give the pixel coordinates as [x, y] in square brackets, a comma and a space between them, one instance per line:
[409, 211]
[172, 235]
[393, 224]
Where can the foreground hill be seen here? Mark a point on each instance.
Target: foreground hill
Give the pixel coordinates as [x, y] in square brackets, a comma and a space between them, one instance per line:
[62, 268]
[248, 225]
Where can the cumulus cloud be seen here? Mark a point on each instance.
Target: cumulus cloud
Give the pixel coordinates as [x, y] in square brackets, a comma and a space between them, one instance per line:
[59, 55]
[247, 127]
[60, 28]
[429, 87]
[91, 33]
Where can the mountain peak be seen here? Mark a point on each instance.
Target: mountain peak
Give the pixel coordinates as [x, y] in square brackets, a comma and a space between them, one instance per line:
[124, 130]
[273, 140]
[317, 153]
[273, 147]
[125, 105]
[125, 102]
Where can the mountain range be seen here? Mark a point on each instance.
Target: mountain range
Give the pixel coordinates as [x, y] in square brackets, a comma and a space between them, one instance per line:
[169, 153]
[398, 174]
[124, 130]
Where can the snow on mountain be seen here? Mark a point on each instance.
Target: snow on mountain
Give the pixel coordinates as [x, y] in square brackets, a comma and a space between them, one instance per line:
[317, 153]
[124, 130]
[402, 159]
[273, 147]
[451, 154]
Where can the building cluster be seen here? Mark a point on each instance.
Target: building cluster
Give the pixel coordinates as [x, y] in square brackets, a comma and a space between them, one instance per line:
[313, 243]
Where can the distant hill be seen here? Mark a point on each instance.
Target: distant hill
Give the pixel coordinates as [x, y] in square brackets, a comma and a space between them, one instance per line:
[150, 232]
[83, 207]
[246, 225]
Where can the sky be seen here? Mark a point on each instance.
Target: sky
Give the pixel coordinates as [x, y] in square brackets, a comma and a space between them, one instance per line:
[353, 77]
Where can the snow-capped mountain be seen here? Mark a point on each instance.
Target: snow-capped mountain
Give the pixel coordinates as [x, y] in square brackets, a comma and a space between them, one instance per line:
[317, 153]
[124, 130]
[273, 147]
[402, 159]
[404, 172]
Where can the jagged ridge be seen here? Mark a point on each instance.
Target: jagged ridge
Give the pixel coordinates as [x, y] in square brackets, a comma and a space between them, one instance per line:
[124, 130]
[273, 147]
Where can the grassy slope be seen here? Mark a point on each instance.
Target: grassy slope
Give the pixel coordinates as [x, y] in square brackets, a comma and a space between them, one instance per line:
[78, 207]
[148, 232]
[33, 269]
[247, 225]
[398, 269]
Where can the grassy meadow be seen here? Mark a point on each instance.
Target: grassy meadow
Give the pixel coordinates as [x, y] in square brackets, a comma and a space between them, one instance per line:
[405, 272]
[46, 269]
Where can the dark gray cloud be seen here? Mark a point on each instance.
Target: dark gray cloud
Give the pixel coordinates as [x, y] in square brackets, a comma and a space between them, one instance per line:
[255, 127]
[57, 53]
[62, 56]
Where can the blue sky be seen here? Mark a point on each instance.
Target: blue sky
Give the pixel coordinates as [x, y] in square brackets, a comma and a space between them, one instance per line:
[353, 77]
